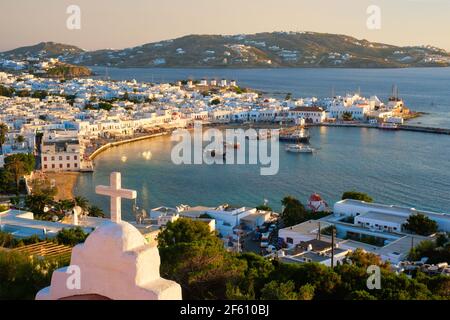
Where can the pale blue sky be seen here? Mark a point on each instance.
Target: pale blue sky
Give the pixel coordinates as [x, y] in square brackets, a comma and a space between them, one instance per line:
[119, 23]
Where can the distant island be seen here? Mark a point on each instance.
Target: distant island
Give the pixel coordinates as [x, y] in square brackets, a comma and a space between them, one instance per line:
[262, 50]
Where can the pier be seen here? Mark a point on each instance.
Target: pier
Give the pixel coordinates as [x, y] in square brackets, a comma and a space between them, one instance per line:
[444, 131]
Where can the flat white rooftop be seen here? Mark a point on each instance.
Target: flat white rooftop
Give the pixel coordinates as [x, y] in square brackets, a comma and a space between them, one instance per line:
[383, 217]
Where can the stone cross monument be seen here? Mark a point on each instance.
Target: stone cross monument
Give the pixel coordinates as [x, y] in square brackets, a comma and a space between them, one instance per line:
[115, 262]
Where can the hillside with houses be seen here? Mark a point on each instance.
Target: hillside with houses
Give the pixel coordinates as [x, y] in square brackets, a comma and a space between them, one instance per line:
[262, 50]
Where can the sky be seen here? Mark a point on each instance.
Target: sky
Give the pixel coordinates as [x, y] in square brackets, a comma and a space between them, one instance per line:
[120, 24]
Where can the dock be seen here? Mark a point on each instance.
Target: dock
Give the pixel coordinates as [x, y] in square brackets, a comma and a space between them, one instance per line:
[443, 131]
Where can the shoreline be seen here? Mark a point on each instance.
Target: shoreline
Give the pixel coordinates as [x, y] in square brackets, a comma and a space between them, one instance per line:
[109, 145]
[405, 127]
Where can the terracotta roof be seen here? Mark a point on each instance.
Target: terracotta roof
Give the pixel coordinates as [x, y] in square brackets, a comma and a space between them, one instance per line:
[306, 109]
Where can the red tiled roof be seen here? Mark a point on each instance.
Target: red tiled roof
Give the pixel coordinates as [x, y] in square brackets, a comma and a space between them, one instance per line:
[306, 109]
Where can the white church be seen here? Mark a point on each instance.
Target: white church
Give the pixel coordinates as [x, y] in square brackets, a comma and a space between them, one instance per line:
[114, 263]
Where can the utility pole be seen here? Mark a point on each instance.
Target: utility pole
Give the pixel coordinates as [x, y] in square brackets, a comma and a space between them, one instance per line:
[333, 233]
[318, 235]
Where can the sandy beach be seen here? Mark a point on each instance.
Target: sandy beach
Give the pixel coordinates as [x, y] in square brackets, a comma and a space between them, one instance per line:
[64, 182]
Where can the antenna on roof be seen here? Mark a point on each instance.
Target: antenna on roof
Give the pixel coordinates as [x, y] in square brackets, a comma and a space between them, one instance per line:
[333, 234]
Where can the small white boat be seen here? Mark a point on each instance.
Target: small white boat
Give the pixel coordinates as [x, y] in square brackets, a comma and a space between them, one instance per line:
[298, 148]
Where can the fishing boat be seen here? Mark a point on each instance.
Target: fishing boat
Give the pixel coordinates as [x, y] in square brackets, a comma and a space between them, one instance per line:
[299, 148]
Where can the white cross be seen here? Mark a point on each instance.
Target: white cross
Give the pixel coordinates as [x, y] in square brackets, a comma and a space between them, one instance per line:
[116, 193]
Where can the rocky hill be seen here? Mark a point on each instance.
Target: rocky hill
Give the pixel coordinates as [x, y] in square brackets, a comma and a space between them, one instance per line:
[277, 49]
[43, 49]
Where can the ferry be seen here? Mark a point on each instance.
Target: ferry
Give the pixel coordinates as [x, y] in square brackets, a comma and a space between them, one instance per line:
[299, 148]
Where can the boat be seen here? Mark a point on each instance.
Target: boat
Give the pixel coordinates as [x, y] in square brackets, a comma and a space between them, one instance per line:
[300, 136]
[299, 148]
[388, 126]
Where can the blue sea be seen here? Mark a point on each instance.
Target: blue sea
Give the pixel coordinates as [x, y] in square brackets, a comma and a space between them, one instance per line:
[402, 168]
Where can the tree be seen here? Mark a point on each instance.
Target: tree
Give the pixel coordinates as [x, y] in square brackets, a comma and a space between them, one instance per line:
[37, 204]
[347, 116]
[96, 212]
[82, 202]
[20, 139]
[421, 225]
[279, 291]
[6, 92]
[71, 237]
[28, 161]
[306, 292]
[105, 106]
[264, 207]
[436, 251]
[22, 277]
[3, 133]
[195, 258]
[184, 231]
[294, 212]
[362, 295]
[363, 259]
[215, 101]
[40, 94]
[17, 168]
[355, 195]
[203, 268]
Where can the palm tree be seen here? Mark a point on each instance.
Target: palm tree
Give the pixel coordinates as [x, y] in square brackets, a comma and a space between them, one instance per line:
[95, 211]
[82, 202]
[64, 205]
[17, 168]
[3, 133]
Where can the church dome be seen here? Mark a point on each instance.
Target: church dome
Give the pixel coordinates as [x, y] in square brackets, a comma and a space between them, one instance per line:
[117, 237]
[315, 197]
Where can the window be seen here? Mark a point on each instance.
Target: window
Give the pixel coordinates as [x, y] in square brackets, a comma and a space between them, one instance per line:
[75, 165]
[75, 157]
[290, 240]
[45, 166]
[45, 158]
[60, 158]
[68, 165]
[53, 166]
[60, 165]
[53, 158]
[67, 157]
